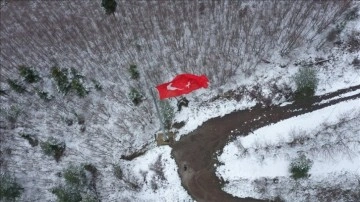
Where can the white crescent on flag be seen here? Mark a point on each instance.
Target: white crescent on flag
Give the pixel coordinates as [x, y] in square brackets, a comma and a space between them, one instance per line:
[169, 87]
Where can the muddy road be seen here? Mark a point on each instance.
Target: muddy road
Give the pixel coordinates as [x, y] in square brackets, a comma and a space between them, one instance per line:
[195, 152]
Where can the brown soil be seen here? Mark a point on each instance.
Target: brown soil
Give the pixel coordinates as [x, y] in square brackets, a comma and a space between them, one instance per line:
[195, 152]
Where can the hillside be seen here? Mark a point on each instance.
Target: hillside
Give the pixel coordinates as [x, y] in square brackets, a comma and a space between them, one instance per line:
[78, 120]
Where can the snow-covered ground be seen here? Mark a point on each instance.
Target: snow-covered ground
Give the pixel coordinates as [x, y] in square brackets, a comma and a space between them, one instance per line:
[258, 165]
[115, 127]
[337, 73]
[156, 173]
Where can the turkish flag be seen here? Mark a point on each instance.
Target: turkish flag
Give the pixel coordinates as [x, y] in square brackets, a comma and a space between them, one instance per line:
[182, 84]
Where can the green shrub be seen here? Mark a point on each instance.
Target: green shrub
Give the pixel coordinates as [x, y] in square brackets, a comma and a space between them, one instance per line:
[11, 114]
[75, 74]
[66, 194]
[92, 169]
[135, 96]
[66, 84]
[30, 75]
[75, 176]
[33, 141]
[9, 188]
[167, 113]
[78, 87]
[306, 83]
[97, 85]
[356, 62]
[16, 86]
[109, 6]
[61, 78]
[54, 148]
[118, 172]
[89, 198]
[78, 186]
[299, 167]
[134, 73]
[44, 95]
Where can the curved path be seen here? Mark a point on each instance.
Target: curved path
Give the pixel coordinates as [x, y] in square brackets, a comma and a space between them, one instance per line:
[195, 152]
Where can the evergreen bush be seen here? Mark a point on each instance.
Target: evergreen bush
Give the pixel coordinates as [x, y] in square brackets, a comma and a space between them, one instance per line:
[78, 187]
[75, 176]
[300, 166]
[78, 87]
[66, 194]
[118, 172]
[77, 84]
[135, 96]
[44, 95]
[167, 113]
[9, 188]
[54, 148]
[89, 198]
[61, 78]
[30, 75]
[109, 6]
[33, 141]
[11, 114]
[66, 84]
[75, 74]
[306, 83]
[134, 73]
[97, 85]
[16, 86]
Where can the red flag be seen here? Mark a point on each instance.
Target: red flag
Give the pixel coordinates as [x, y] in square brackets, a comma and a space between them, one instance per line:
[182, 84]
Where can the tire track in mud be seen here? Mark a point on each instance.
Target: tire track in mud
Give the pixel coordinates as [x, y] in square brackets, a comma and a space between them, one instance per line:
[195, 153]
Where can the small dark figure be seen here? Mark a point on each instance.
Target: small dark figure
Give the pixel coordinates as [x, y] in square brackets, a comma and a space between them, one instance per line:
[182, 102]
[185, 167]
[2, 92]
[109, 6]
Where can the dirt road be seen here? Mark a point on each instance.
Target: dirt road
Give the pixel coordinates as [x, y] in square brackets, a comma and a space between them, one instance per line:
[195, 152]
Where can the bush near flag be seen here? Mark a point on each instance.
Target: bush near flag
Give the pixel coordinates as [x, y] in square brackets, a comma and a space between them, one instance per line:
[182, 84]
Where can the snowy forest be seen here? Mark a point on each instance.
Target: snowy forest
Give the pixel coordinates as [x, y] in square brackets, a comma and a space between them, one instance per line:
[78, 122]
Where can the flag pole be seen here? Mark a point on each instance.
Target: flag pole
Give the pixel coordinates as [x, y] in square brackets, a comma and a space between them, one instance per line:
[166, 137]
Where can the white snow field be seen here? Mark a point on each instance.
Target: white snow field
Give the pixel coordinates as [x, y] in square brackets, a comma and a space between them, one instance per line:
[258, 165]
[78, 34]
